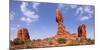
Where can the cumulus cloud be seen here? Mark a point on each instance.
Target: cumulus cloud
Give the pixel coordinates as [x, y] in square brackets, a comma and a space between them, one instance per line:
[85, 12]
[35, 6]
[29, 15]
[82, 12]
[28, 20]
[79, 11]
[88, 9]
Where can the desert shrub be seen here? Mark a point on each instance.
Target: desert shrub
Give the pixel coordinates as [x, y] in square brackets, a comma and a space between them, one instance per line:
[61, 40]
[11, 43]
[50, 40]
[90, 41]
[17, 41]
[75, 42]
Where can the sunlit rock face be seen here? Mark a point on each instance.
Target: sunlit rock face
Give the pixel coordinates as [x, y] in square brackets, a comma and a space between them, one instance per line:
[23, 34]
[59, 20]
[62, 31]
[82, 33]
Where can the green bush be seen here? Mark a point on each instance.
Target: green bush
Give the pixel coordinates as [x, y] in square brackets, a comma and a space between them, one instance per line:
[50, 40]
[61, 40]
[17, 42]
[90, 41]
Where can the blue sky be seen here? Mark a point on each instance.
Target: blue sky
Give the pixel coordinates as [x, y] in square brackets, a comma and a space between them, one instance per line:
[40, 18]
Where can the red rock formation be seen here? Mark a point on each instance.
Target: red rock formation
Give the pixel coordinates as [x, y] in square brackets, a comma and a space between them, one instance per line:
[62, 32]
[82, 33]
[23, 34]
[59, 20]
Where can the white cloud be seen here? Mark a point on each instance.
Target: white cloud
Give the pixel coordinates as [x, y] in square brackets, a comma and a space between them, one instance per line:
[84, 11]
[84, 18]
[73, 6]
[23, 19]
[66, 7]
[29, 15]
[28, 20]
[88, 9]
[18, 26]
[35, 5]
[79, 11]
[61, 6]
[12, 14]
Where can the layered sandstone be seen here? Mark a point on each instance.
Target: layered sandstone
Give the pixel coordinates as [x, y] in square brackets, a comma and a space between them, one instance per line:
[23, 34]
[62, 32]
[82, 33]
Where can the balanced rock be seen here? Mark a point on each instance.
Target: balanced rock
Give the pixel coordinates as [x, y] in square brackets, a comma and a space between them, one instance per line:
[59, 20]
[62, 32]
[23, 34]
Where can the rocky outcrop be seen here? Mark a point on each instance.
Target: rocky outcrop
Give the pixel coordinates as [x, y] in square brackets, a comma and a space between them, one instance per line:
[23, 34]
[62, 32]
[59, 20]
[82, 33]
